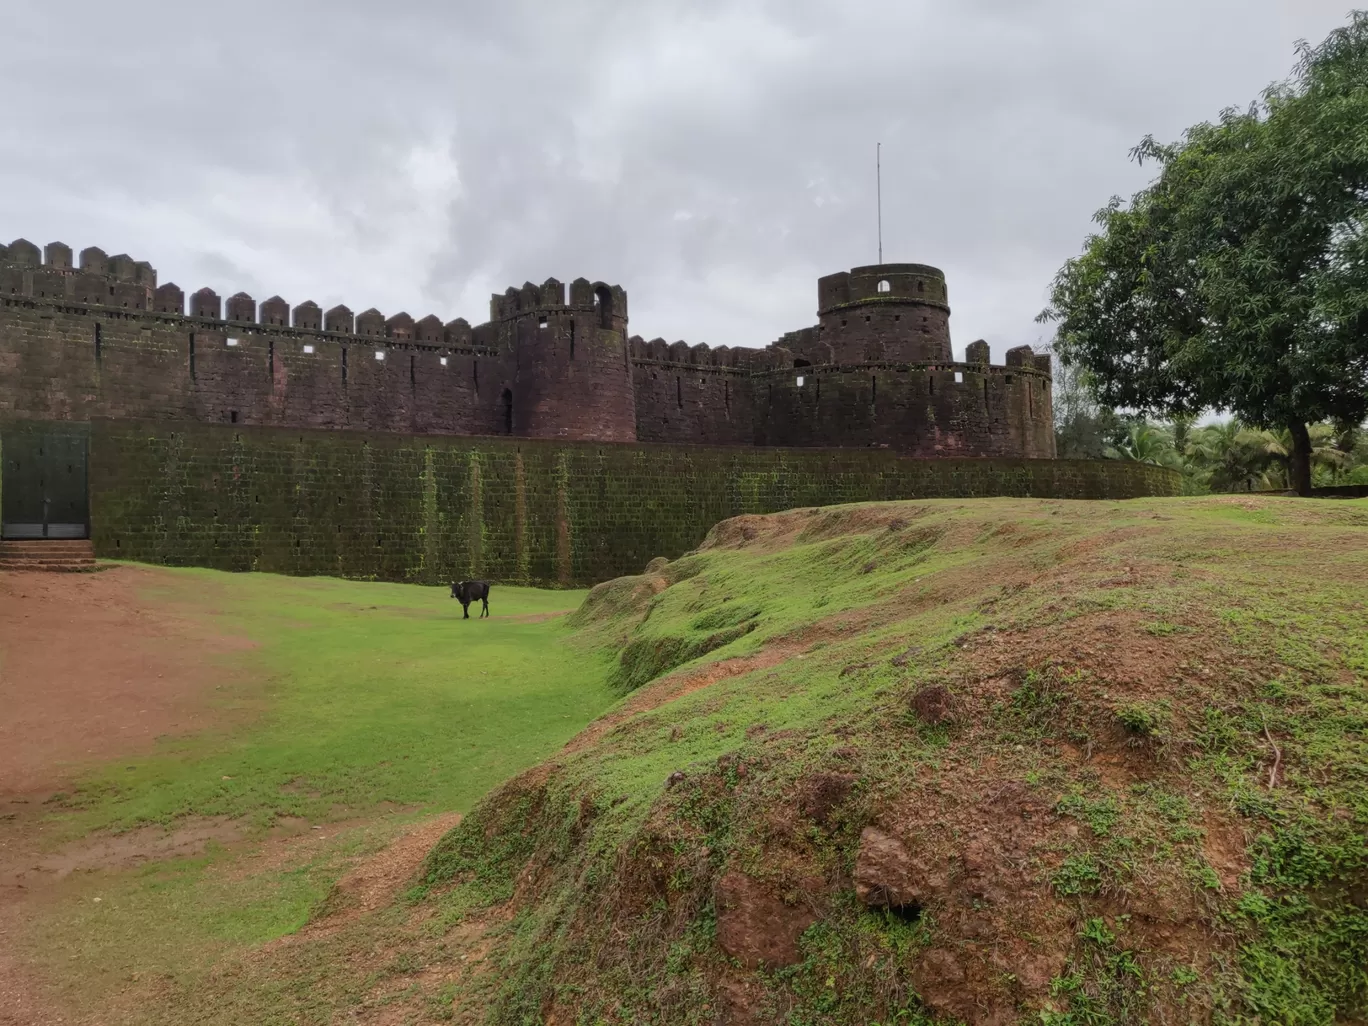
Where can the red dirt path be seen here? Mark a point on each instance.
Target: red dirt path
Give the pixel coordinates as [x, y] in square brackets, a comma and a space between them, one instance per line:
[90, 670]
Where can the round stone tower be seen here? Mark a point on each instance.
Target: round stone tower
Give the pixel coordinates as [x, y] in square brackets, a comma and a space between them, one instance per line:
[572, 378]
[894, 313]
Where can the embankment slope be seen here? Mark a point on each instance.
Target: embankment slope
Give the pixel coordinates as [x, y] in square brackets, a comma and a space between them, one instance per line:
[983, 761]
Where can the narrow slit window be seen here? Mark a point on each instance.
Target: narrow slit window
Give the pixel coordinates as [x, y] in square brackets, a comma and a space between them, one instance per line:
[192, 356]
[413, 369]
[679, 392]
[99, 343]
[270, 357]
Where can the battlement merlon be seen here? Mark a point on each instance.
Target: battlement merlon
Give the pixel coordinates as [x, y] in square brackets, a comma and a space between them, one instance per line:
[57, 258]
[609, 302]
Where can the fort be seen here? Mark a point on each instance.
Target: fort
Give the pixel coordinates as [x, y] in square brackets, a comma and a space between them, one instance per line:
[544, 445]
[103, 339]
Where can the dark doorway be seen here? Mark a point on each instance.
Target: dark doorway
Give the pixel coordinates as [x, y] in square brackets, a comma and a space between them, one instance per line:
[508, 411]
[43, 486]
[603, 299]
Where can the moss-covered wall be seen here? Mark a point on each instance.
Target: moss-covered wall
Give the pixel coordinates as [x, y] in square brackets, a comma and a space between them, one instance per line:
[516, 510]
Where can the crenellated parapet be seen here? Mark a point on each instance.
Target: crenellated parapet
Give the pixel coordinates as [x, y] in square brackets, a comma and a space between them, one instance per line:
[554, 360]
[50, 274]
[738, 360]
[55, 274]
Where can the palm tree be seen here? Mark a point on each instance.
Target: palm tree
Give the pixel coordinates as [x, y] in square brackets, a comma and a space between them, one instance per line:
[1146, 443]
[1326, 455]
[1235, 457]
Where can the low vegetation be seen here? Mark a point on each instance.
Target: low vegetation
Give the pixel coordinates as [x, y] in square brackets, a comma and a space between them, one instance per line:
[1141, 797]
[999, 761]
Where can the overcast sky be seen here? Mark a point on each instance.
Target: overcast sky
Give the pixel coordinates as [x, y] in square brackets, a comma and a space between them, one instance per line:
[714, 157]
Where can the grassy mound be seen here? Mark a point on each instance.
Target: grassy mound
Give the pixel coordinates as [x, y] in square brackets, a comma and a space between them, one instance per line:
[992, 762]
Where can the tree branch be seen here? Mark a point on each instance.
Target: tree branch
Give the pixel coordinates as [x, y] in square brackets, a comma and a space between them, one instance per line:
[1277, 755]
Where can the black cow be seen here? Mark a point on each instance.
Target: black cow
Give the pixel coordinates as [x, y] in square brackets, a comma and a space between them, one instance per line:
[471, 591]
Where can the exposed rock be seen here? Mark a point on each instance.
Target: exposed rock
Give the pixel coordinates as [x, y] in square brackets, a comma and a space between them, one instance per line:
[657, 565]
[934, 705]
[888, 876]
[822, 794]
[755, 927]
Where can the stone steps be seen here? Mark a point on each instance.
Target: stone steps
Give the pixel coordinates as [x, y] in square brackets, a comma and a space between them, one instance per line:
[48, 556]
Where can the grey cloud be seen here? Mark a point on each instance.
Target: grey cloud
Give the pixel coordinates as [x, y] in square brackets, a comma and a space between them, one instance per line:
[713, 157]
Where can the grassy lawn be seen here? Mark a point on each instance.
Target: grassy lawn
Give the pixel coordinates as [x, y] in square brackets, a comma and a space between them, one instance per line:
[369, 695]
[360, 707]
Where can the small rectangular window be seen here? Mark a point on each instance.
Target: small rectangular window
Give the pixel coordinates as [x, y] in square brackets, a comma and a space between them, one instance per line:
[800, 381]
[959, 377]
[379, 354]
[308, 349]
[231, 341]
[443, 361]
[542, 322]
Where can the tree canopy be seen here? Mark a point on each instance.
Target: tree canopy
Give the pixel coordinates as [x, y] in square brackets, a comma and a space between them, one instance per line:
[1238, 279]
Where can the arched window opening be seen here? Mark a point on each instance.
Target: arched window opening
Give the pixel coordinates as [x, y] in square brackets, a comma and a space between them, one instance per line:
[508, 411]
[603, 299]
[802, 363]
[884, 286]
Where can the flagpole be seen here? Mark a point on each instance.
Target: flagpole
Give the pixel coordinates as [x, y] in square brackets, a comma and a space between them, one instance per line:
[878, 178]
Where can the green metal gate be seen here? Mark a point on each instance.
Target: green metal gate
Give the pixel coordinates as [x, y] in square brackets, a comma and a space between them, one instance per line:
[43, 485]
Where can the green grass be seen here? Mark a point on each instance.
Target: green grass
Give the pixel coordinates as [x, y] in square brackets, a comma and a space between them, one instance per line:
[1268, 607]
[1253, 613]
[358, 702]
[369, 695]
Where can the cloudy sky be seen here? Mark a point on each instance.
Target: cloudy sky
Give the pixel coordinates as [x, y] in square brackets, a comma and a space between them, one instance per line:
[712, 156]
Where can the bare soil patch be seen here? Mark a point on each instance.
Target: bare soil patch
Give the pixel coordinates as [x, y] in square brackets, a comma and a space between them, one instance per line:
[90, 671]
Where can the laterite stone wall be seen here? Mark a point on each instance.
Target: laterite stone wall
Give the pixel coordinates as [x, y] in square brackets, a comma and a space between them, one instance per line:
[433, 509]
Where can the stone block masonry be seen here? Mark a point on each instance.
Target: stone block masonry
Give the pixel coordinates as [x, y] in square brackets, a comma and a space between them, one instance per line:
[545, 512]
[104, 340]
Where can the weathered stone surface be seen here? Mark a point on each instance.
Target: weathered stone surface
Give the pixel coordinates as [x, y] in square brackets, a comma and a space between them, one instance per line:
[404, 508]
[888, 876]
[877, 371]
[754, 926]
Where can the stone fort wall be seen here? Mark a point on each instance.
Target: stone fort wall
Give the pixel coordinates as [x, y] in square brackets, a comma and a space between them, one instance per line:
[98, 337]
[535, 511]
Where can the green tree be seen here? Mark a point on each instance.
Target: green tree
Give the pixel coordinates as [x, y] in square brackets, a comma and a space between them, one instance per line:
[1238, 280]
[1233, 457]
[1083, 430]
